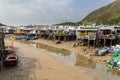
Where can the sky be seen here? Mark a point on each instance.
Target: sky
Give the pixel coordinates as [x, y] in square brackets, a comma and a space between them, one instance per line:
[26, 12]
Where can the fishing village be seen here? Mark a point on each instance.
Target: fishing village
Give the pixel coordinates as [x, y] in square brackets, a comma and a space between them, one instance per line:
[89, 44]
[59, 40]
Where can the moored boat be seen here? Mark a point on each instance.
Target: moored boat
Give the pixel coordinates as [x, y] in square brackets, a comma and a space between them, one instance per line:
[101, 51]
[11, 59]
[115, 61]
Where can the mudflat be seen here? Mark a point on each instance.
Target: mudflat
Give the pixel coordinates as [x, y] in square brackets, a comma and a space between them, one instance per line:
[38, 64]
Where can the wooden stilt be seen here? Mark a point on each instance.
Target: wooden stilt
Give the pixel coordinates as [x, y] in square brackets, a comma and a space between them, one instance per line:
[65, 38]
[88, 43]
[110, 42]
[59, 37]
[104, 42]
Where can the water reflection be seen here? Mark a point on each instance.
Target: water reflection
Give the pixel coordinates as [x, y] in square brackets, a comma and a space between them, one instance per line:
[114, 72]
[95, 70]
[23, 71]
[84, 62]
[78, 60]
[70, 58]
[64, 52]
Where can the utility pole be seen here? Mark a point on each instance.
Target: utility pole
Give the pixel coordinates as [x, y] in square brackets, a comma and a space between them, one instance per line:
[2, 48]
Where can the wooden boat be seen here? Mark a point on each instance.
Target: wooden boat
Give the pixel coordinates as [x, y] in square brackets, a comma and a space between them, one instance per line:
[57, 41]
[31, 38]
[101, 51]
[115, 61]
[114, 49]
[11, 59]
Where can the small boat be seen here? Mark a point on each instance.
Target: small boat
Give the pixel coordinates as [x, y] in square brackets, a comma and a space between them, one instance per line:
[114, 49]
[11, 59]
[57, 41]
[18, 37]
[115, 61]
[30, 38]
[33, 38]
[27, 38]
[101, 51]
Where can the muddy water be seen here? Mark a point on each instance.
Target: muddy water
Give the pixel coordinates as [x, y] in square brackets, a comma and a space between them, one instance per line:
[94, 70]
[23, 71]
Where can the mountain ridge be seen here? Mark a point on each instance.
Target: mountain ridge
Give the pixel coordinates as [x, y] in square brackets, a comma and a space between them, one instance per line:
[109, 14]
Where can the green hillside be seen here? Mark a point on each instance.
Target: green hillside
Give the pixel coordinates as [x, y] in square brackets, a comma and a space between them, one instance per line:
[70, 24]
[109, 14]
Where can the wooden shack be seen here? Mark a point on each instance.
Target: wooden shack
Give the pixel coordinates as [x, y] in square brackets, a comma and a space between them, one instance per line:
[106, 36]
[41, 33]
[19, 32]
[117, 32]
[87, 36]
[9, 31]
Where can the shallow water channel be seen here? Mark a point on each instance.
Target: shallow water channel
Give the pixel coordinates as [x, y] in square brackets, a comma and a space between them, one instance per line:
[94, 70]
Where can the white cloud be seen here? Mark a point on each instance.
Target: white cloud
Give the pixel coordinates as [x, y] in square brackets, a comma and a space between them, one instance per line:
[33, 11]
[40, 11]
